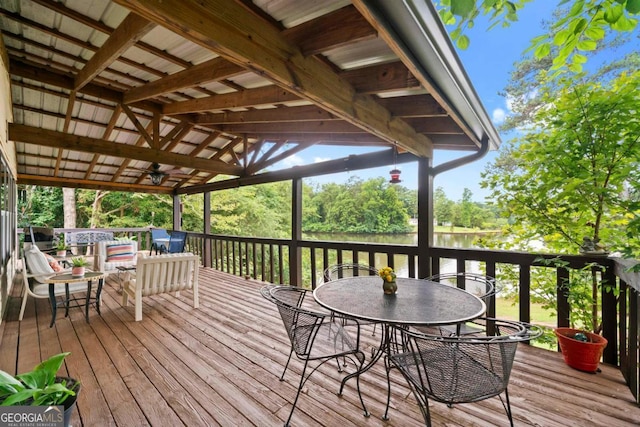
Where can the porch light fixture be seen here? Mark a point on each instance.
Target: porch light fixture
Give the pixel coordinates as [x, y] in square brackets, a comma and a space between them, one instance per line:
[395, 172]
[156, 177]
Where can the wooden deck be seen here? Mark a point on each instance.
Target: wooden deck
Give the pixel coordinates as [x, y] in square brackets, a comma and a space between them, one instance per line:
[220, 364]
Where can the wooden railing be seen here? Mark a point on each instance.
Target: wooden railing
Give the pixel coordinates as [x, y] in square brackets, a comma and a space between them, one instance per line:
[274, 261]
[271, 260]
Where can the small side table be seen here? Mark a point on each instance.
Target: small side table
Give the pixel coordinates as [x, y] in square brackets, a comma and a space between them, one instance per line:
[123, 269]
[89, 277]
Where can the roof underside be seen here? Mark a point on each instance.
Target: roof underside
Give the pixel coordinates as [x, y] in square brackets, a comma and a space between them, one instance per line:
[104, 89]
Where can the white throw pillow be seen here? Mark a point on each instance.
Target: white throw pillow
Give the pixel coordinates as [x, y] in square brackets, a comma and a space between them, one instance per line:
[37, 262]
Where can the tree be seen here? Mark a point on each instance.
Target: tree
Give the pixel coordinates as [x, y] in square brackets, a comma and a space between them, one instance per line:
[575, 174]
[568, 176]
[442, 207]
[579, 29]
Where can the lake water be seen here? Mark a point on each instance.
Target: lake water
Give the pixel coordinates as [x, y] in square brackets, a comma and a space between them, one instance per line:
[449, 240]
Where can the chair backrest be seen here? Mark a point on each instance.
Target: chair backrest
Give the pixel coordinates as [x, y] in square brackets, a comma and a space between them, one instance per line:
[159, 233]
[459, 369]
[339, 271]
[484, 287]
[115, 253]
[166, 273]
[301, 325]
[177, 242]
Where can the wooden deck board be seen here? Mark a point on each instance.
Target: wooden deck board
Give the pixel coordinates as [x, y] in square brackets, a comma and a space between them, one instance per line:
[220, 365]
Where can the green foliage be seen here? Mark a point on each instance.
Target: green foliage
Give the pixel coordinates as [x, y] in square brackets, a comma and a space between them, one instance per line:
[465, 213]
[79, 262]
[581, 26]
[574, 173]
[37, 387]
[40, 206]
[372, 206]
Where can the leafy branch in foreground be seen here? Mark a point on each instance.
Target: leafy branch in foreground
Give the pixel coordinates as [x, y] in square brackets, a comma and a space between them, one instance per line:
[581, 28]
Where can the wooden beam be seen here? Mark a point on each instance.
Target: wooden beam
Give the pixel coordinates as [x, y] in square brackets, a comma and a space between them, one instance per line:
[54, 78]
[381, 78]
[414, 106]
[355, 139]
[339, 28]
[401, 52]
[52, 181]
[55, 139]
[335, 126]
[351, 163]
[136, 123]
[100, 26]
[132, 29]
[208, 71]
[441, 125]
[250, 42]
[303, 113]
[247, 98]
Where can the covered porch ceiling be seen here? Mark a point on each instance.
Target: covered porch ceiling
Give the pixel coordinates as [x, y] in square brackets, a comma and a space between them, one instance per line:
[103, 90]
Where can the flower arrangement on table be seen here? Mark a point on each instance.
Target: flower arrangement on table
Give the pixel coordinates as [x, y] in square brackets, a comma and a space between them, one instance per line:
[387, 274]
[389, 286]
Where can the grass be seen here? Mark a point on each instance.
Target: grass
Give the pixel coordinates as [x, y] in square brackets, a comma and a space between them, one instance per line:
[508, 309]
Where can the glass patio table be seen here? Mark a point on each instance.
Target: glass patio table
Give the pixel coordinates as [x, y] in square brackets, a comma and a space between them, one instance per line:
[417, 302]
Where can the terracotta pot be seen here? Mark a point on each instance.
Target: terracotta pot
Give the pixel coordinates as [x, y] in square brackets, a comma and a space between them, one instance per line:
[581, 355]
[61, 253]
[77, 271]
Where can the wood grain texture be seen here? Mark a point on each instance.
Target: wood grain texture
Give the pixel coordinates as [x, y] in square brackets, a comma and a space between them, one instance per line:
[219, 365]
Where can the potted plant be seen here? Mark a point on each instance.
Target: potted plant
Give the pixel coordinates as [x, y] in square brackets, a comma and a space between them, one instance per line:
[61, 247]
[78, 265]
[41, 387]
[581, 344]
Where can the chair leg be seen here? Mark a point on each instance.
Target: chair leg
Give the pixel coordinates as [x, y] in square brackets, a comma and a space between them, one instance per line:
[507, 407]
[24, 304]
[286, 365]
[295, 401]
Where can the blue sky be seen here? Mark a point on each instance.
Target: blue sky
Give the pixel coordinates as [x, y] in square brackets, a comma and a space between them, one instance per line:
[488, 61]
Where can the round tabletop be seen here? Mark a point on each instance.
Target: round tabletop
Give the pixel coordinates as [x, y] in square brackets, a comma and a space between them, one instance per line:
[69, 278]
[417, 302]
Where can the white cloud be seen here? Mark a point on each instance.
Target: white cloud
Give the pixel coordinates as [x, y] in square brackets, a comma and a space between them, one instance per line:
[321, 159]
[498, 115]
[292, 161]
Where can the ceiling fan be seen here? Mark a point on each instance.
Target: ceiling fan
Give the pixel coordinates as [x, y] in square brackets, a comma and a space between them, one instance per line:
[156, 175]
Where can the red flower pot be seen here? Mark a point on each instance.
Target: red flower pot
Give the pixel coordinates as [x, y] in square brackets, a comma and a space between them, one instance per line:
[581, 355]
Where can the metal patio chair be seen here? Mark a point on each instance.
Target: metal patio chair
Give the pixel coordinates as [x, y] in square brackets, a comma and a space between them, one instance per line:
[457, 369]
[339, 271]
[482, 286]
[314, 335]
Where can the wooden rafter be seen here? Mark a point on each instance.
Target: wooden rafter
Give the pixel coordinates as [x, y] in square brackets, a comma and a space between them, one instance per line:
[245, 40]
[55, 139]
[132, 29]
[212, 70]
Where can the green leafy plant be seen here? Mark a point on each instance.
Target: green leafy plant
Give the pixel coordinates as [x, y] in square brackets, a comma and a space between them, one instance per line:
[79, 262]
[61, 245]
[582, 290]
[39, 387]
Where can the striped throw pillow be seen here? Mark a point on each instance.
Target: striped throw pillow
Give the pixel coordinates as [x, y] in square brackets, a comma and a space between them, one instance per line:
[120, 252]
